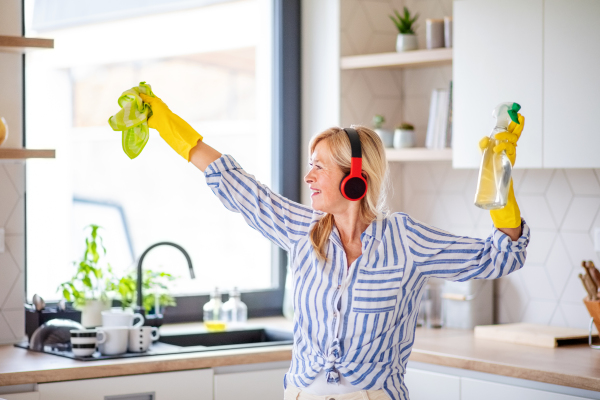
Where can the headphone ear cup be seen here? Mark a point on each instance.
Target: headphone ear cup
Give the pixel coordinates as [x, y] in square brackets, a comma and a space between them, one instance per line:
[353, 188]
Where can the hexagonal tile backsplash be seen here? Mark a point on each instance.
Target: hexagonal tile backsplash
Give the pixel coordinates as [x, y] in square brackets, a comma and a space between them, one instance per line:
[562, 207]
[12, 260]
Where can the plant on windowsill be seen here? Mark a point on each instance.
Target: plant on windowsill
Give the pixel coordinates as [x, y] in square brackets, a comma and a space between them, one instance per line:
[153, 283]
[87, 288]
[407, 39]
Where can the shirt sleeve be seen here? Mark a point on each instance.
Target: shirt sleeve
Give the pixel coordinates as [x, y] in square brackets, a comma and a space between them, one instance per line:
[278, 219]
[437, 253]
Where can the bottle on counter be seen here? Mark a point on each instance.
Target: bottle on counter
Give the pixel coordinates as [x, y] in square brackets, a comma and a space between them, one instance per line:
[234, 310]
[213, 312]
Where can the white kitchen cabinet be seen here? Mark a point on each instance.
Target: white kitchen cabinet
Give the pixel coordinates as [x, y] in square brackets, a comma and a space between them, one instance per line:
[264, 384]
[180, 385]
[21, 396]
[571, 84]
[425, 385]
[543, 54]
[474, 389]
[497, 58]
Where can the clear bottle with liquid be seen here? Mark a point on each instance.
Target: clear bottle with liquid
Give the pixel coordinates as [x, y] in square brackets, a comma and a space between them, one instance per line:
[495, 170]
[234, 309]
[213, 311]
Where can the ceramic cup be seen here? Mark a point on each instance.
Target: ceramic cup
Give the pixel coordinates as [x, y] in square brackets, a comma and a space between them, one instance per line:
[141, 338]
[119, 317]
[112, 340]
[83, 342]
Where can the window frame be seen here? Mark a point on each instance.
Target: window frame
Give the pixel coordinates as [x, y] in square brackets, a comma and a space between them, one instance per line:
[286, 145]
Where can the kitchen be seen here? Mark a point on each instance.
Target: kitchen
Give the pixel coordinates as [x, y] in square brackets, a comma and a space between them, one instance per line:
[556, 182]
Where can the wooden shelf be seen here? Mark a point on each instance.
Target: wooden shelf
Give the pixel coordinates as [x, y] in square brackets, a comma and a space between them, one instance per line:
[16, 154]
[18, 44]
[418, 154]
[415, 58]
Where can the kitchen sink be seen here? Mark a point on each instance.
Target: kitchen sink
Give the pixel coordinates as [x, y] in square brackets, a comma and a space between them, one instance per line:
[190, 342]
[228, 339]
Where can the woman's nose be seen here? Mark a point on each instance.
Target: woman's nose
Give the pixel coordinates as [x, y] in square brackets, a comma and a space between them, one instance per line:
[308, 178]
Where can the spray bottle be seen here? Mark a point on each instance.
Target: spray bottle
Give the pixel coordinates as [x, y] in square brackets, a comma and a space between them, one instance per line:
[496, 170]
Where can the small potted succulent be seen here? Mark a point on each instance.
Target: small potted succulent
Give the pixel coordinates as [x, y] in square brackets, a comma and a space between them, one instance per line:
[407, 39]
[387, 136]
[404, 136]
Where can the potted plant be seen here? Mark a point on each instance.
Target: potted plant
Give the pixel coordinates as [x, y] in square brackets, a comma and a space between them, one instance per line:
[404, 136]
[407, 39]
[87, 288]
[154, 284]
[387, 137]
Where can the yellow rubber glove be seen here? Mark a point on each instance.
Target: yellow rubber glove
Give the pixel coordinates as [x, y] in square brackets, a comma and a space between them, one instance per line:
[510, 215]
[172, 128]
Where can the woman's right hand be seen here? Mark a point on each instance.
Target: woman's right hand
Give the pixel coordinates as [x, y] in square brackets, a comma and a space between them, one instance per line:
[172, 128]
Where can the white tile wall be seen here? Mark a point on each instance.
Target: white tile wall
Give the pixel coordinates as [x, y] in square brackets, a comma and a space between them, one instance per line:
[562, 207]
[12, 185]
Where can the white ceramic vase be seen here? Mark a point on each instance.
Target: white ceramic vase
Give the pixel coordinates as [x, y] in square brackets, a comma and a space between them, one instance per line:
[404, 138]
[406, 42]
[387, 137]
[91, 312]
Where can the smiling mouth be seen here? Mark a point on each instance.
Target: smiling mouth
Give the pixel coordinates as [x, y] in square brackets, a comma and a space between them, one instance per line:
[315, 192]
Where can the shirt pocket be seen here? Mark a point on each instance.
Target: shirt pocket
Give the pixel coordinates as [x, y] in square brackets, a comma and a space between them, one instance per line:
[376, 290]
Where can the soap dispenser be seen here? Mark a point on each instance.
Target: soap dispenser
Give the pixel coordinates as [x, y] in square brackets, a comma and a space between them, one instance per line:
[213, 308]
[234, 310]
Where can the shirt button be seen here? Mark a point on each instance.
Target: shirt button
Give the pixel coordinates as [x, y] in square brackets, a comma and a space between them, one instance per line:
[339, 286]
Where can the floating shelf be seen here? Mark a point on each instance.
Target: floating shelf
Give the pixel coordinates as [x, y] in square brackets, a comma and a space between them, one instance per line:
[19, 44]
[16, 154]
[415, 58]
[418, 154]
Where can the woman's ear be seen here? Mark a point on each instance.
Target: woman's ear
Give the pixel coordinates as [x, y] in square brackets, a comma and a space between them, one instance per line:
[365, 175]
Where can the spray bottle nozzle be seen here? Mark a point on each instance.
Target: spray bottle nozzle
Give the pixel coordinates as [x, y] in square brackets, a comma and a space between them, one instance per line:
[513, 113]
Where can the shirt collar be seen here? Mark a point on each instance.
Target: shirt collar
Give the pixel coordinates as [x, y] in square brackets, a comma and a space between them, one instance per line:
[374, 230]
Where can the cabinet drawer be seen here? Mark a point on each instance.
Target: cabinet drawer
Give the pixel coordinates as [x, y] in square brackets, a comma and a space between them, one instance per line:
[251, 385]
[474, 389]
[420, 387]
[181, 385]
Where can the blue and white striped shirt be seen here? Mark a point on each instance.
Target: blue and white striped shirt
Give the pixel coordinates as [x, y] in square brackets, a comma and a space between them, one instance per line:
[358, 323]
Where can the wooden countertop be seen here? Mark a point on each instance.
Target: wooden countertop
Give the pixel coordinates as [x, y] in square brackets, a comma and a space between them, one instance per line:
[574, 365]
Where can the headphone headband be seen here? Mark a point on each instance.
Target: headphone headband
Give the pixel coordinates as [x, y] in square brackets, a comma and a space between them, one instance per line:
[354, 142]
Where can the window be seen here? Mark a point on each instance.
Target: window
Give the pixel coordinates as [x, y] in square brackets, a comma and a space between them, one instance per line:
[215, 65]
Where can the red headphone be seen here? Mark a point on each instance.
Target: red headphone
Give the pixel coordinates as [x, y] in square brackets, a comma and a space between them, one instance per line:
[354, 185]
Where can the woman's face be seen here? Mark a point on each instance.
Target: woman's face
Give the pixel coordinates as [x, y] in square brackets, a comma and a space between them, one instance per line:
[323, 178]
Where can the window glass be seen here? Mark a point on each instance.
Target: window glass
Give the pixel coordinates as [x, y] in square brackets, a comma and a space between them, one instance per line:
[212, 65]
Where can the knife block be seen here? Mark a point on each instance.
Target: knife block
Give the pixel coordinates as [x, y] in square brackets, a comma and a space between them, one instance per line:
[593, 307]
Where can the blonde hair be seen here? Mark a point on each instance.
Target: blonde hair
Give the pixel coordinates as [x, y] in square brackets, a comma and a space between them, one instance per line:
[374, 164]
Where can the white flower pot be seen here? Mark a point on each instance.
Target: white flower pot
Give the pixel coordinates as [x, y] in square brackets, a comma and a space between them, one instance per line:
[387, 137]
[406, 42]
[404, 138]
[91, 312]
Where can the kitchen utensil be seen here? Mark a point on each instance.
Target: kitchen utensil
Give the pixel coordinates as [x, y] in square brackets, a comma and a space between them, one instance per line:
[38, 302]
[112, 340]
[141, 338]
[589, 286]
[83, 342]
[532, 334]
[3, 130]
[54, 333]
[591, 282]
[118, 317]
[594, 273]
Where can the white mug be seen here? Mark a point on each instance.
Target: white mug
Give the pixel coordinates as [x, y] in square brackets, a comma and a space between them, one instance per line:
[83, 342]
[112, 340]
[118, 317]
[141, 338]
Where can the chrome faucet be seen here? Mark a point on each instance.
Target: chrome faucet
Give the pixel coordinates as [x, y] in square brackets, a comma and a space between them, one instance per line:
[140, 308]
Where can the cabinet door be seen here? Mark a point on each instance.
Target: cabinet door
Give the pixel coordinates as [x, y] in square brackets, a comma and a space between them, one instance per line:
[497, 58]
[474, 389]
[250, 385]
[180, 385]
[21, 396]
[425, 385]
[571, 84]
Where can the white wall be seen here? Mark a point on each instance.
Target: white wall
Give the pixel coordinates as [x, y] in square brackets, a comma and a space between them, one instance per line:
[12, 184]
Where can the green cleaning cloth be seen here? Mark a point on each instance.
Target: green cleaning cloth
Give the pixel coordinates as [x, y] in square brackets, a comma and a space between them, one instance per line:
[132, 120]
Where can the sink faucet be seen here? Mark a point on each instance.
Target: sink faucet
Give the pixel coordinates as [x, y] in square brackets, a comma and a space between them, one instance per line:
[140, 308]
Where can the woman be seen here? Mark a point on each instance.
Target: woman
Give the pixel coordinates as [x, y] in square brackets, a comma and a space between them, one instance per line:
[358, 272]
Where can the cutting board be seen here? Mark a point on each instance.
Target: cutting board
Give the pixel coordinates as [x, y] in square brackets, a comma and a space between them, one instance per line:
[532, 334]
